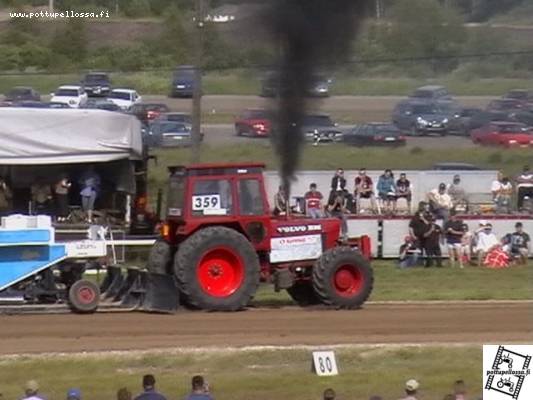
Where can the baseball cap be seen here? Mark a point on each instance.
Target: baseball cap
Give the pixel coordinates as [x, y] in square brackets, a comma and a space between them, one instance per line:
[74, 394]
[32, 385]
[483, 222]
[442, 186]
[411, 385]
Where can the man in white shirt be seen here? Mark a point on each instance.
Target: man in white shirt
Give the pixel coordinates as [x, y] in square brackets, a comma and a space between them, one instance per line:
[486, 241]
[524, 186]
[441, 202]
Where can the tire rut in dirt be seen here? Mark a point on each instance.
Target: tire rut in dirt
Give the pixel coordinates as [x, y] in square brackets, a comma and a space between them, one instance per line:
[235, 252]
[303, 294]
[352, 269]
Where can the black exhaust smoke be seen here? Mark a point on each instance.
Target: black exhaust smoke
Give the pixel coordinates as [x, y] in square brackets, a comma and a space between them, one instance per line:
[311, 35]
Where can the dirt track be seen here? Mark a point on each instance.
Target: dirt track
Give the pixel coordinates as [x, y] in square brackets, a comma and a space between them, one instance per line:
[442, 323]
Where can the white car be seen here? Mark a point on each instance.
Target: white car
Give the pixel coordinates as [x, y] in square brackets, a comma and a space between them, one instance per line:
[73, 96]
[124, 98]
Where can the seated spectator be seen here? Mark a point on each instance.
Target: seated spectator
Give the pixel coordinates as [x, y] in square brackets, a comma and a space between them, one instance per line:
[5, 198]
[453, 230]
[502, 192]
[466, 245]
[329, 394]
[313, 202]
[408, 253]
[364, 189]
[337, 208]
[124, 394]
[280, 202]
[403, 191]
[387, 191]
[41, 197]
[440, 202]
[524, 187]
[496, 185]
[200, 389]
[74, 394]
[516, 244]
[411, 388]
[338, 182]
[31, 391]
[149, 389]
[486, 242]
[458, 195]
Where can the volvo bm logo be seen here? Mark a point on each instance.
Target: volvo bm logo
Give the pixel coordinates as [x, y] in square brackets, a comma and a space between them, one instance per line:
[299, 228]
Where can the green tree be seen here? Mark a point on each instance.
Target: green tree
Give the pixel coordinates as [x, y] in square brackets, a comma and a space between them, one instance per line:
[70, 41]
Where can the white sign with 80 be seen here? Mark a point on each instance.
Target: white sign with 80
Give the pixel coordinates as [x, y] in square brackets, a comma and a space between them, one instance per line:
[324, 363]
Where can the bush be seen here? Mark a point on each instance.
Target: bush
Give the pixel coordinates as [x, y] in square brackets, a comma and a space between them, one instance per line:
[32, 55]
[9, 58]
[137, 9]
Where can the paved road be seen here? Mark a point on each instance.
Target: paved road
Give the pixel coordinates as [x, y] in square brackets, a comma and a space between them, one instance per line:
[376, 323]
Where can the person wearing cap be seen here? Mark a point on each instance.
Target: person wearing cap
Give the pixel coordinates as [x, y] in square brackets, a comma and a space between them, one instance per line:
[74, 394]
[31, 390]
[524, 186]
[329, 394]
[440, 202]
[458, 195]
[486, 241]
[411, 388]
[408, 253]
[149, 392]
[516, 244]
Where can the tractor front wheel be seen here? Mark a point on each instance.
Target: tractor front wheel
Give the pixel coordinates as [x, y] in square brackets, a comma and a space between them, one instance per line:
[342, 278]
[303, 294]
[83, 297]
[217, 269]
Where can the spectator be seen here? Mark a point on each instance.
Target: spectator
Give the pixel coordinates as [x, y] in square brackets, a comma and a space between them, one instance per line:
[524, 186]
[440, 202]
[124, 394]
[280, 202]
[516, 244]
[408, 253]
[200, 389]
[31, 391]
[466, 245]
[403, 191]
[338, 182]
[486, 241]
[74, 394]
[411, 388]
[5, 198]
[41, 196]
[502, 191]
[387, 191]
[149, 390]
[420, 221]
[459, 390]
[90, 184]
[313, 202]
[454, 234]
[329, 394]
[61, 189]
[337, 208]
[431, 240]
[458, 195]
[364, 189]
[495, 186]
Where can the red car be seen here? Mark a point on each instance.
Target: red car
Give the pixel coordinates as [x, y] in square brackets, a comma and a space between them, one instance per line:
[508, 134]
[254, 123]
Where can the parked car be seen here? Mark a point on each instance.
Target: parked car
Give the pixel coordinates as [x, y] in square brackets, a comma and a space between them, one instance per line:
[525, 96]
[319, 86]
[96, 84]
[320, 128]
[455, 166]
[176, 117]
[148, 111]
[101, 104]
[183, 81]
[22, 93]
[124, 98]
[431, 93]
[462, 121]
[375, 134]
[506, 134]
[506, 105]
[72, 95]
[163, 133]
[421, 118]
[253, 122]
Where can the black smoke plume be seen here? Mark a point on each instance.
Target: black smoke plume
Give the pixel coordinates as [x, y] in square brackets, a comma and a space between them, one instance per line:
[311, 35]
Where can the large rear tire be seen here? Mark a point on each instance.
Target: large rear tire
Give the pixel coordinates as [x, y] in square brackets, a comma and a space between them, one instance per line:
[160, 258]
[217, 269]
[342, 278]
[84, 297]
[303, 294]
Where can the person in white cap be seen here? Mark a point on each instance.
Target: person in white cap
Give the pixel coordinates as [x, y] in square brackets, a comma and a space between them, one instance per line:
[31, 390]
[411, 387]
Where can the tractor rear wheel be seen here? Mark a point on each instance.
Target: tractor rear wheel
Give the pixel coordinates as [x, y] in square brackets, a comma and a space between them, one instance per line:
[303, 294]
[217, 269]
[160, 258]
[84, 297]
[342, 278]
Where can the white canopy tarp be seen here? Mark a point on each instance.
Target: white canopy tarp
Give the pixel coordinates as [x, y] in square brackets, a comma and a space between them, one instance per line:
[35, 136]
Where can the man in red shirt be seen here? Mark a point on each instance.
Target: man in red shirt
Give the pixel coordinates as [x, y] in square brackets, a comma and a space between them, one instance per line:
[364, 189]
[313, 202]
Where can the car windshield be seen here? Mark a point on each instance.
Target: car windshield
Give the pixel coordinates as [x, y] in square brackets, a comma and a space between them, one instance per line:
[512, 129]
[424, 94]
[317, 120]
[517, 95]
[169, 127]
[424, 109]
[387, 129]
[155, 107]
[179, 118]
[96, 78]
[256, 114]
[67, 92]
[119, 95]
[184, 74]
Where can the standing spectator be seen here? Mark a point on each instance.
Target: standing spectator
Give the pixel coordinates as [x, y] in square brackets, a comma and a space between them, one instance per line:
[524, 186]
[411, 388]
[313, 202]
[337, 208]
[61, 189]
[74, 394]
[454, 234]
[440, 202]
[459, 390]
[364, 189]
[517, 244]
[403, 191]
[124, 394]
[420, 221]
[458, 195]
[280, 202]
[5, 198]
[31, 391]
[431, 244]
[338, 182]
[149, 390]
[387, 191]
[408, 253]
[496, 186]
[486, 241]
[41, 196]
[90, 184]
[466, 245]
[502, 192]
[329, 394]
[200, 389]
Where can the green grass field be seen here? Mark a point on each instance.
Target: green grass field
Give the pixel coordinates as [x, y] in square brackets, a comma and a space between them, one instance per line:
[258, 374]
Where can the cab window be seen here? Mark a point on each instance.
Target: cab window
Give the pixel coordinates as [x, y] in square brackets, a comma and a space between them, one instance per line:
[211, 197]
[250, 198]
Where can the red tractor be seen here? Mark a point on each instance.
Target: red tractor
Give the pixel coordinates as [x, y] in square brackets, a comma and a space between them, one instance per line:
[220, 241]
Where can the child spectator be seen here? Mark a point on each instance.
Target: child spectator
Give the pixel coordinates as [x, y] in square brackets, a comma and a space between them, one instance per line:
[408, 253]
[466, 246]
[364, 189]
[313, 202]
[387, 191]
[516, 244]
[453, 230]
[403, 191]
[524, 186]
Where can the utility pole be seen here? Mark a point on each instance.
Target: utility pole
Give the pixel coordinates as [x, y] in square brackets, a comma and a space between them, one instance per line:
[197, 89]
[51, 5]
